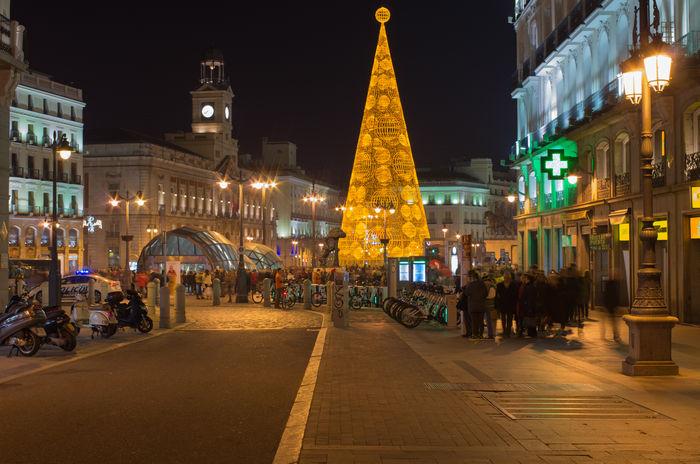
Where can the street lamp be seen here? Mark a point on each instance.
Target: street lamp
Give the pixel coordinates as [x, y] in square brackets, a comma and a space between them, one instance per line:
[386, 212]
[127, 199]
[263, 186]
[650, 322]
[313, 198]
[447, 246]
[63, 149]
[151, 230]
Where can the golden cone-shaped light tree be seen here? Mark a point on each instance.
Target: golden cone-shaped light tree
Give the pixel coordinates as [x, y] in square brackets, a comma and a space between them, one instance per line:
[384, 200]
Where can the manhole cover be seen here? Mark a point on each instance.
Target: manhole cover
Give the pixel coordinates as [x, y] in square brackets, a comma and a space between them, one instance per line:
[519, 406]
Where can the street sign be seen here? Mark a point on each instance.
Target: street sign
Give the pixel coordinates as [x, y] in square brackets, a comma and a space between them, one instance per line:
[556, 164]
[695, 197]
[624, 232]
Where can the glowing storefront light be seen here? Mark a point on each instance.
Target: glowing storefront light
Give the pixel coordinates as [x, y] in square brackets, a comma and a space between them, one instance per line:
[384, 174]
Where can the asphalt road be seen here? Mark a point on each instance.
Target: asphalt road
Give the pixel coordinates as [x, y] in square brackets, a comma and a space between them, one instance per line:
[185, 397]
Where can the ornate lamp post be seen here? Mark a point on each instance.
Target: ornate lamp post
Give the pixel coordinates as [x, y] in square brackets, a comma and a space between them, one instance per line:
[313, 198]
[650, 322]
[263, 186]
[127, 238]
[63, 149]
[447, 245]
[241, 278]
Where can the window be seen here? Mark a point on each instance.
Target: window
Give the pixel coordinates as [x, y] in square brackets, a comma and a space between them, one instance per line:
[72, 113]
[547, 184]
[73, 238]
[448, 199]
[60, 238]
[45, 236]
[621, 154]
[30, 237]
[13, 236]
[74, 204]
[14, 201]
[431, 199]
[30, 103]
[30, 166]
[601, 160]
[31, 137]
[532, 185]
[60, 202]
[46, 108]
[59, 110]
[30, 201]
[47, 203]
[45, 138]
[14, 131]
[46, 175]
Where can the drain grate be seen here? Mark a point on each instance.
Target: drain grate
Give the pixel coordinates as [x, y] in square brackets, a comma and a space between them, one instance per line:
[519, 406]
[511, 387]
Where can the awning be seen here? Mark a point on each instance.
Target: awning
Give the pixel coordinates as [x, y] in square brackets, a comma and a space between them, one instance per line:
[577, 216]
[620, 216]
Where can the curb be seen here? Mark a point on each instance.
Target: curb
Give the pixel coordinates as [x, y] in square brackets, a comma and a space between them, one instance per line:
[289, 448]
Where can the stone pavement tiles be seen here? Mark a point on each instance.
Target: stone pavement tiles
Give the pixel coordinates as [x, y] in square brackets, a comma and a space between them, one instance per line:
[231, 316]
[386, 394]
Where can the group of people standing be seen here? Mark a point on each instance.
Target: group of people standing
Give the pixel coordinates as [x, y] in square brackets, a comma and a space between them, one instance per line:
[533, 301]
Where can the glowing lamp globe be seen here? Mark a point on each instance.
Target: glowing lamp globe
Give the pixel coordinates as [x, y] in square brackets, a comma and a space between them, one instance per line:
[573, 179]
[223, 185]
[64, 149]
[511, 198]
[632, 85]
[658, 70]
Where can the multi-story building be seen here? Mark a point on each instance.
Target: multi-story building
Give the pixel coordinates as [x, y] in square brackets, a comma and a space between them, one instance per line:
[469, 198]
[571, 116]
[12, 64]
[294, 234]
[42, 111]
[178, 176]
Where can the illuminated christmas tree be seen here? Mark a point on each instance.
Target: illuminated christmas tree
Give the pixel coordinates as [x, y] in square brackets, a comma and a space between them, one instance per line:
[384, 200]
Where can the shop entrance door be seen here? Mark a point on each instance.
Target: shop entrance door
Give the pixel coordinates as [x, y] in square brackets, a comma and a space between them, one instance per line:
[547, 250]
[532, 248]
[692, 289]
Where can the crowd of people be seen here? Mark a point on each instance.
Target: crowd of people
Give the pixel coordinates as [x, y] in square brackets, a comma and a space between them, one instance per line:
[529, 303]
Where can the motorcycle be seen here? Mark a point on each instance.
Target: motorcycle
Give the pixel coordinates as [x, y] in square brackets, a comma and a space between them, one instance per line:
[132, 314]
[58, 328]
[22, 330]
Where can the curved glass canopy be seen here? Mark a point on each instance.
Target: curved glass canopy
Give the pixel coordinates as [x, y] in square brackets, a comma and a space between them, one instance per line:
[207, 248]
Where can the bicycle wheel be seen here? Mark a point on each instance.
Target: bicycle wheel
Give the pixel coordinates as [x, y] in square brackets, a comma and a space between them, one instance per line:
[316, 299]
[256, 296]
[356, 302]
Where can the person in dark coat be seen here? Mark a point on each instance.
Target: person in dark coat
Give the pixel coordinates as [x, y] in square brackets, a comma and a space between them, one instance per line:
[557, 302]
[527, 306]
[506, 302]
[476, 293]
[611, 300]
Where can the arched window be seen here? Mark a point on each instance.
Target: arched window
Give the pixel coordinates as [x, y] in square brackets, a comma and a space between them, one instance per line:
[547, 184]
[532, 186]
[13, 236]
[45, 236]
[30, 236]
[73, 238]
[621, 154]
[60, 238]
[601, 160]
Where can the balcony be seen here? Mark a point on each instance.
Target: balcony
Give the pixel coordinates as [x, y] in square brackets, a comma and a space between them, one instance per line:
[16, 171]
[548, 201]
[603, 189]
[559, 35]
[691, 170]
[31, 210]
[622, 184]
[658, 175]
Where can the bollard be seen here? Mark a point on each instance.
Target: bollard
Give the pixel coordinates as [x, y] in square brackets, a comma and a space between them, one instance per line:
[267, 284]
[180, 304]
[151, 295]
[157, 282]
[330, 295]
[452, 311]
[216, 292]
[91, 292]
[307, 294]
[164, 308]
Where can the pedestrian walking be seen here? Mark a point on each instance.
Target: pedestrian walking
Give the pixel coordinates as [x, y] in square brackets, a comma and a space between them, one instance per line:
[207, 283]
[465, 323]
[230, 283]
[279, 285]
[527, 301]
[611, 300]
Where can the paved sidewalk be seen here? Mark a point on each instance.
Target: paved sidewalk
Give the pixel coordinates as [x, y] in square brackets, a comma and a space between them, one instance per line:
[386, 394]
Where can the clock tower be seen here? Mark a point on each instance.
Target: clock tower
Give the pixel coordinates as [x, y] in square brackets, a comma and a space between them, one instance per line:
[211, 101]
[211, 114]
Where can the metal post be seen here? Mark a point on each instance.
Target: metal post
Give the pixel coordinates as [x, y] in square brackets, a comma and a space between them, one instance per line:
[55, 273]
[649, 323]
[241, 277]
[216, 292]
[313, 234]
[126, 233]
[264, 214]
[180, 304]
[164, 308]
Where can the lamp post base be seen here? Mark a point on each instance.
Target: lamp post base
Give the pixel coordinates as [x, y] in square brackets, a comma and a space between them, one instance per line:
[650, 346]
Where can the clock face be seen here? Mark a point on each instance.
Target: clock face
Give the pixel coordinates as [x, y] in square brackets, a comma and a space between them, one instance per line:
[227, 112]
[207, 111]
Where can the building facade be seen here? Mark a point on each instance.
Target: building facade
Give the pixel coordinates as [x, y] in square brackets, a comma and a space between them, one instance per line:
[294, 217]
[43, 111]
[572, 117]
[179, 177]
[469, 198]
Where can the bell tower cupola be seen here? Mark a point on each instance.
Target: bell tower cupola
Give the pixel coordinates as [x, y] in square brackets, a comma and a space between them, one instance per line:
[211, 101]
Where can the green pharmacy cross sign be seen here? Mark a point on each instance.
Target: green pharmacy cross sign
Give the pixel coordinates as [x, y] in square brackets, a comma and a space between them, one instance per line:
[556, 164]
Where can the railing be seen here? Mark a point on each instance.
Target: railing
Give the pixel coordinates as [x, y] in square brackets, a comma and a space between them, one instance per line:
[622, 184]
[691, 169]
[689, 43]
[16, 171]
[548, 201]
[33, 174]
[602, 189]
[658, 175]
[32, 210]
[560, 198]
[76, 179]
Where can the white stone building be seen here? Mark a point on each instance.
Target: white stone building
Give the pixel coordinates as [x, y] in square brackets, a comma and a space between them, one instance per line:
[43, 109]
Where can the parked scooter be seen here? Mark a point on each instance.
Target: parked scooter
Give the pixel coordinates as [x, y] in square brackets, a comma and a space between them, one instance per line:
[22, 329]
[58, 328]
[101, 318]
[131, 314]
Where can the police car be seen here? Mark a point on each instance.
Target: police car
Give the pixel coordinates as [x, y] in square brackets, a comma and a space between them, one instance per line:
[78, 284]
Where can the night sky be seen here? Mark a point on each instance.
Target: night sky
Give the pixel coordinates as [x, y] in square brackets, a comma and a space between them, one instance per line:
[299, 70]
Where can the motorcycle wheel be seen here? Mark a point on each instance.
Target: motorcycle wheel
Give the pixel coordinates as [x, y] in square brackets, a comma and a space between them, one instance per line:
[31, 344]
[71, 343]
[145, 325]
[108, 331]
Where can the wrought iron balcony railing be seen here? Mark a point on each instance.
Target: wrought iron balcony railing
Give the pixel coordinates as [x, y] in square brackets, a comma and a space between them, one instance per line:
[622, 184]
[691, 170]
[602, 189]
